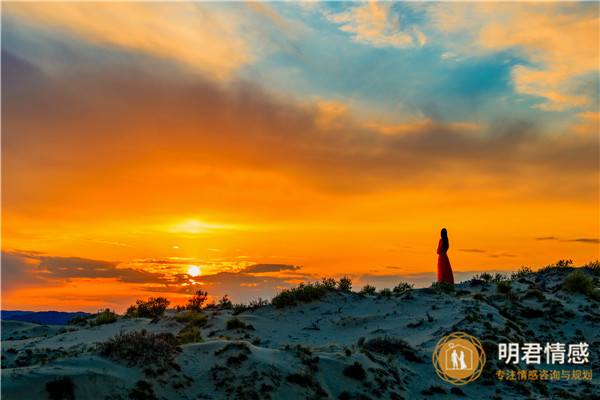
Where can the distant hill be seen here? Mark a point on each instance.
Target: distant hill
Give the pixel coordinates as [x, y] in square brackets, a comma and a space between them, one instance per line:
[45, 317]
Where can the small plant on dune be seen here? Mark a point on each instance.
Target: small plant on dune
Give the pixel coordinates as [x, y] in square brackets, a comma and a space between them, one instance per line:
[80, 319]
[106, 317]
[142, 391]
[538, 294]
[141, 348]
[197, 300]
[252, 305]
[593, 267]
[190, 335]
[443, 287]
[329, 283]
[386, 292]
[402, 287]
[578, 281]
[225, 303]
[368, 289]
[61, 389]
[192, 318]
[151, 308]
[235, 323]
[305, 292]
[355, 371]
[484, 276]
[559, 265]
[503, 287]
[345, 284]
[521, 273]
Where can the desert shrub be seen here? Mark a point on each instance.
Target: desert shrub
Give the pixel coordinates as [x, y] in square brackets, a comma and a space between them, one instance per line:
[522, 272]
[560, 264]
[151, 308]
[197, 300]
[355, 371]
[106, 317]
[252, 305]
[368, 289]
[386, 292]
[142, 391]
[443, 287]
[534, 293]
[303, 380]
[484, 276]
[392, 345]
[503, 287]
[225, 303]
[305, 292]
[235, 323]
[192, 318]
[402, 287]
[593, 267]
[578, 281]
[190, 335]
[329, 283]
[140, 348]
[61, 389]
[345, 284]
[80, 319]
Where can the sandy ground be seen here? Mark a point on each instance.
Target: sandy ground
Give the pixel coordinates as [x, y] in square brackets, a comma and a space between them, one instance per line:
[301, 352]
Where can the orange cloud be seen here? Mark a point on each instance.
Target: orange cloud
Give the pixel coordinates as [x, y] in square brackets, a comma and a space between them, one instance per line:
[185, 32]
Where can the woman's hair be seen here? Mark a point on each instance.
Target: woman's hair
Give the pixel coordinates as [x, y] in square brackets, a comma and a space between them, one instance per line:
[445, 241]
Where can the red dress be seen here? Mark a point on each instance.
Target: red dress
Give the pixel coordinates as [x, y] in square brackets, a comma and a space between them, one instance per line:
[444, 269]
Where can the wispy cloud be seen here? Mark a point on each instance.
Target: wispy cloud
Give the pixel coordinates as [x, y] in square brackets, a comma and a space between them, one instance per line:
[376, 24]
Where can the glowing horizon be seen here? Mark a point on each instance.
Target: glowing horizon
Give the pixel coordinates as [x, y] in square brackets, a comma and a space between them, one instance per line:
[266, 144]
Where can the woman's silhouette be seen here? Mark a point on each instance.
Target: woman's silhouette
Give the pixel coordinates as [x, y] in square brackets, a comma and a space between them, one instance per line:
[444, 269]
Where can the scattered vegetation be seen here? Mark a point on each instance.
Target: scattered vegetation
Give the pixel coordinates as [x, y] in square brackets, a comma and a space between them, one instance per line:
[504, 287]
[192, 318]
[402, 287]
[560, 264]
[225, 303]
[368, 289]
[345, 284]
[443, 287]
[252, 305]
[593, 267]
[235, 323]
[387, 293]
[196, 302]
[61, 389]
[391, 345]
[521, 273]
[329, 283]
[141, 348]
[106, 317]
[304, 292]
[190, 335]
[487, 277]
[142, 391]
[152, 308]
[534, 293]
[579, 282]
[80, 319]
[355, 371]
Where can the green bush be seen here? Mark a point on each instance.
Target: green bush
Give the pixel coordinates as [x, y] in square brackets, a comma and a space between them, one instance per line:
[443, 287]
[386, 292]
[522, 272]
[329, 283]
[197, 300]
[152, 308]
[190, 335]
[80, 319]
[345, 284]
[503, 287]
[560, 264]
[392, 345]
[578, 281]
[225, 303]
[61, 389]
[192, 318]
[484, 276]
[106, 317]
[235, 323]
[534, 293]
[355, 371]
[305, 292]
[252, 305]
[368, 289]
[141, 348]
[402, 287]
[593, 267]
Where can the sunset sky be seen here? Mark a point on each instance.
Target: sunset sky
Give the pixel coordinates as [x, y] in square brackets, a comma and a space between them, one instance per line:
[152, 149]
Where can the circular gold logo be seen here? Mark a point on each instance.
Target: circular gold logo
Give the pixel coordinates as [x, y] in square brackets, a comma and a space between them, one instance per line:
[459, 358]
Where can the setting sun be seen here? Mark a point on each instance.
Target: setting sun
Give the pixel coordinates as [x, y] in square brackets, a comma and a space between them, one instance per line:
[193, 270]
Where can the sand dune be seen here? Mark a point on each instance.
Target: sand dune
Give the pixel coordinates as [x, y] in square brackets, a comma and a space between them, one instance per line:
[302, 351]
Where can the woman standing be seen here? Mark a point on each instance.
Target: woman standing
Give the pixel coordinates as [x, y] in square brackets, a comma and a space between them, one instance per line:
[444, 269]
